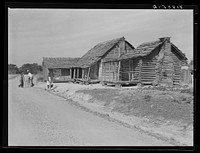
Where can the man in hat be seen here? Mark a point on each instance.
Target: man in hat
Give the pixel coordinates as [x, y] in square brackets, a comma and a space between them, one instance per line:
[30, 77]
[21, 80]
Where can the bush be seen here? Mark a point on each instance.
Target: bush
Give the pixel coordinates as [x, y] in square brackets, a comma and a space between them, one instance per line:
[40, 79]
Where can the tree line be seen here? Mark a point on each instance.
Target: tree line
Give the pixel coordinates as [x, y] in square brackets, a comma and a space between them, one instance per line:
[33, 68]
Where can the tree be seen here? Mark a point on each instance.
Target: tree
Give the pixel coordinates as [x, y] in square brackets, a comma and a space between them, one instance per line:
[25, 67]
[33, 68]
[12, 69]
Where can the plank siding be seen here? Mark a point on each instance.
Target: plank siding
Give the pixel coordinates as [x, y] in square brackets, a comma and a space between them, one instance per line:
[112, 70]
[128, 48]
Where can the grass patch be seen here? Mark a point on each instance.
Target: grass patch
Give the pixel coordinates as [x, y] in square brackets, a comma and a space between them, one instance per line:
[166, 104]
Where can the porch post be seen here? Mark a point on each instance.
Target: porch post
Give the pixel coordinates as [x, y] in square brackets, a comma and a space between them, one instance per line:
[88, 75]
[78, 73]
[74, 73]
[70, 73]
[119, 67]
[82, 73]
[129, 74]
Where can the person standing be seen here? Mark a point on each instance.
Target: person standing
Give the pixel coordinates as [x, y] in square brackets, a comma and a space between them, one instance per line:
[30, 75]
[49, 82]
[21, 80]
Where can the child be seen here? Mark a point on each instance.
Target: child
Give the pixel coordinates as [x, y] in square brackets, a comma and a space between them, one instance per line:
[21, 80]
[49, 82]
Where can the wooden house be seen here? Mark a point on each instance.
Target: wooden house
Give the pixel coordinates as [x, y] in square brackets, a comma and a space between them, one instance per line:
[60, 68]
[157, 62]
[92, 62]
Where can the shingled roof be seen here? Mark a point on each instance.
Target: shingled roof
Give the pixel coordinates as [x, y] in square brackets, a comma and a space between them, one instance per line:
[142, 50]
[95, 54]
[59, 62]
[146, 48]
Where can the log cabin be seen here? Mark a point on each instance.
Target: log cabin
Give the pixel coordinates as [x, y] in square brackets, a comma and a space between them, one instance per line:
[156, 62]
[92, 62]
[60, 68]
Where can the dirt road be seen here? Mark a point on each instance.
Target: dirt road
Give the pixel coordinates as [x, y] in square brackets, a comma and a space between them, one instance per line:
[38, 118]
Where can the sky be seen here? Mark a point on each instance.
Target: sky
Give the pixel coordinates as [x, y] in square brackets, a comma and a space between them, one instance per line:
[37, 33]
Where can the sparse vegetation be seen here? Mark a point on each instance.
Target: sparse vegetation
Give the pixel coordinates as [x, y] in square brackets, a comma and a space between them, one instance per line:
[170, 105]
[167, 112]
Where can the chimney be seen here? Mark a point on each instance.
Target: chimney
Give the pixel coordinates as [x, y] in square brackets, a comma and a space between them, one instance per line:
[122, 38]
[164, 39]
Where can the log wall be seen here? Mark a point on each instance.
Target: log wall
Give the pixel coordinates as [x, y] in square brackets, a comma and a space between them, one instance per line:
[177, 66]
[170, 65]
[161, 66]
[148, 73]
[130, 70]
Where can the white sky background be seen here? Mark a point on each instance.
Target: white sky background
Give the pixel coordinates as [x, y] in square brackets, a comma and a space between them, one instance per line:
[37, 33]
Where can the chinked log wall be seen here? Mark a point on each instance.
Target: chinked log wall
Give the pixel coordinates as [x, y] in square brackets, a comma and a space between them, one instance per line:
[171, 65]
[143, 70]
[177, 67]
[149, 69]
[130, 70]
[148, 73]
[138, 70]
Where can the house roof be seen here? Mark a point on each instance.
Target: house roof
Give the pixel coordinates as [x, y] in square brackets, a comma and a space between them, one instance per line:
[142, 50]
[96, 53]
[59, 62]
[147, 47]
[179, 51]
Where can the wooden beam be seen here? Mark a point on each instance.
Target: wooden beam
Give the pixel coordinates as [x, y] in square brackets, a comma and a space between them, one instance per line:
[119, 67]
[74, 73]
[88, 75]
[100, 70]
[129, 74]
[78, 73]
[140, 68]
[70, 73]
[82, 73]
[119, 51]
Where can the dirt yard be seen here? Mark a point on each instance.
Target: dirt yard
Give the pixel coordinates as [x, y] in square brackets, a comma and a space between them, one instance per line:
[160, 111]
